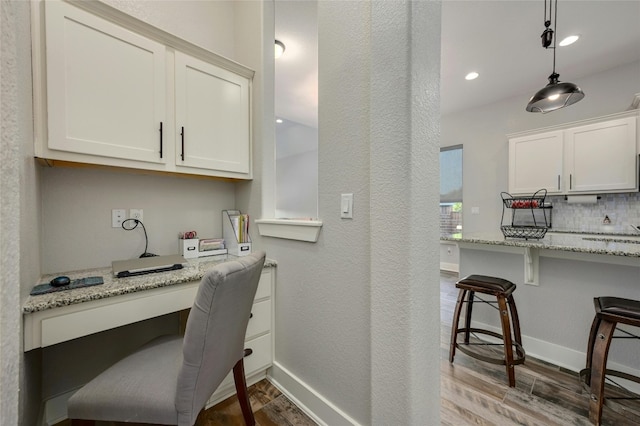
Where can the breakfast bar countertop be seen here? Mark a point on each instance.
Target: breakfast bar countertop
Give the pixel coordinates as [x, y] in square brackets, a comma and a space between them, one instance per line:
[612, 245]
[193, 270]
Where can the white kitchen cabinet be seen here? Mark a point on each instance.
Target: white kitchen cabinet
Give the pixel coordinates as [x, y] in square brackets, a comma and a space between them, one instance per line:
[588, 157]
[212, 116]
[105, 87]
[112, 90]
[602, 156]
[535, 162]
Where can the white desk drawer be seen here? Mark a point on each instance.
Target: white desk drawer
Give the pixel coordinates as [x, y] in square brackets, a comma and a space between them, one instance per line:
[259, 359]
[260, 321]
[264, 285]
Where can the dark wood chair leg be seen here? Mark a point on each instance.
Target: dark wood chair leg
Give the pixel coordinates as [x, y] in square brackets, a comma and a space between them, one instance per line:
[243, 394]
[599, 369]
[508, 344]
[454, 326]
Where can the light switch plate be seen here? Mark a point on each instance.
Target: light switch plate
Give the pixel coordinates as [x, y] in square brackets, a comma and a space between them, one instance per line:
[346, 206]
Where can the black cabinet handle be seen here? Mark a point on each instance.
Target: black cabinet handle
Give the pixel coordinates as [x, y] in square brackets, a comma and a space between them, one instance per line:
[182, 134]
[251, 315]
[558, 182]
[248, 352]
[570, 181]
[161, 139]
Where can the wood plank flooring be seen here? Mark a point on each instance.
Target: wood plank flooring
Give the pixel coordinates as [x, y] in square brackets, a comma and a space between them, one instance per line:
[475, 392]
[472, 392]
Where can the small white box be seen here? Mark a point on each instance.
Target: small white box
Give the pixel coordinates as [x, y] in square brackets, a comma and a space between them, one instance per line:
[188, 248]
[241, 249]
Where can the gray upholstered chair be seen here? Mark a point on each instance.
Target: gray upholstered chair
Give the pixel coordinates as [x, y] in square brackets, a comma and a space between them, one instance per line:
[169, 380]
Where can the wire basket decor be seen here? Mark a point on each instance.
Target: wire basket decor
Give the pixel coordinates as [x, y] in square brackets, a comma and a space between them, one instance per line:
[510, 203]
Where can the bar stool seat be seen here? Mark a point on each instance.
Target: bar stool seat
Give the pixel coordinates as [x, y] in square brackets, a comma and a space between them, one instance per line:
[511, 337]
[610, 311]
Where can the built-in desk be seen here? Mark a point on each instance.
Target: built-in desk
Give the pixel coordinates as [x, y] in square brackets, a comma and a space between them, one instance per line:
[61, 316]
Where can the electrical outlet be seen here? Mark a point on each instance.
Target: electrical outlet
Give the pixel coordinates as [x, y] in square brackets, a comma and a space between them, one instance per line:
[135, 214]
[117, 217]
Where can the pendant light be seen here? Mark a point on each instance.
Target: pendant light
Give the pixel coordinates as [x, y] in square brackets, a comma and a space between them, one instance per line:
[554, 95]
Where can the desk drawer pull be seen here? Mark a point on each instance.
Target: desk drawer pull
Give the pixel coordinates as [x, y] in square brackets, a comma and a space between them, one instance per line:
[248, 352]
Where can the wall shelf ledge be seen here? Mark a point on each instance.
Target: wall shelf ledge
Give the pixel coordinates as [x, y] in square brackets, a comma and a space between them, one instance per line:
[290, 229]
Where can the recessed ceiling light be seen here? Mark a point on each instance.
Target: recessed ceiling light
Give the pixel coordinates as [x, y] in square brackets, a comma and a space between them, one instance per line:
[278, 120]
[471, 76]
[569, 40]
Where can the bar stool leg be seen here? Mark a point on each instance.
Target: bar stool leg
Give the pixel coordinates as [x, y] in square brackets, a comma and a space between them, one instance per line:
[454, 326]
[467, 318]
[508, 344]
[592, 340]
[599, 368]
[515, 320]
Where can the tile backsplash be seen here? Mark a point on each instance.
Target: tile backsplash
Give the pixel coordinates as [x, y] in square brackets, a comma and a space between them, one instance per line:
[622, 209]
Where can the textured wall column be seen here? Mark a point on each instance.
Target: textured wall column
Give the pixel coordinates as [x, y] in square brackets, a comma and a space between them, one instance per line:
[404, 180]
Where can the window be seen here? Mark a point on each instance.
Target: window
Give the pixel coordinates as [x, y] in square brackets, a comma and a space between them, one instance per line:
[451, 190]
[296, 108]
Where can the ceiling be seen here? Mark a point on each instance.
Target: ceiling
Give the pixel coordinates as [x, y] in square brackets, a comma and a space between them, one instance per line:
[498, 39]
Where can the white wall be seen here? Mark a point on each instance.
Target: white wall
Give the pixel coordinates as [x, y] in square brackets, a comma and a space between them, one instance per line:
[483, 133]
[349, 306]
[76, 214]
[19, 227]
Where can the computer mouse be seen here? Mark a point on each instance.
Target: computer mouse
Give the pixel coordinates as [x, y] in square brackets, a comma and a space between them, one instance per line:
[60, 281]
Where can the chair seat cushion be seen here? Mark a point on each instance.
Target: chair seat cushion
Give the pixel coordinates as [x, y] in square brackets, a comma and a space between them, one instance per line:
[147, 397]
[486, 284]
[619, 306]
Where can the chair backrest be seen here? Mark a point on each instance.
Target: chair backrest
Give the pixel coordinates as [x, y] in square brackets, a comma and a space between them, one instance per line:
[216, 327]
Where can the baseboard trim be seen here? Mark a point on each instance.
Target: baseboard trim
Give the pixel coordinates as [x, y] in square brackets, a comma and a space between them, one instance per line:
[311, 402]
[55, 409]
[449, 267]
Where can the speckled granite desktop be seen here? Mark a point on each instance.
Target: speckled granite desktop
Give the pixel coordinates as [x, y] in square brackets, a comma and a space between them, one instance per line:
[193, 270]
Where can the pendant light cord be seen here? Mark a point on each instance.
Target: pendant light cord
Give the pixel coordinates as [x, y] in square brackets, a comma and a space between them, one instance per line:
[555, 30]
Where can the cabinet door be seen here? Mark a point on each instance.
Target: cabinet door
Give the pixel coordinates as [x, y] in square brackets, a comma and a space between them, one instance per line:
[602, 156]
[535, 162]
[212, 117]
[105, 87]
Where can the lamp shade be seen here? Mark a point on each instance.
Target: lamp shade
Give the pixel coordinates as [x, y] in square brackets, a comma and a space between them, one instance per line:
[554, 95]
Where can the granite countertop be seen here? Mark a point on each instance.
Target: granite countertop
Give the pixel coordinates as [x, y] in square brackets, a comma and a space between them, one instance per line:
[607, 244]
[193, 270]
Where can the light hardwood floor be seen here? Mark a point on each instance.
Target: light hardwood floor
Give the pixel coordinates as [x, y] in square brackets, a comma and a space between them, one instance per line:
[472, 392]
[475, 392]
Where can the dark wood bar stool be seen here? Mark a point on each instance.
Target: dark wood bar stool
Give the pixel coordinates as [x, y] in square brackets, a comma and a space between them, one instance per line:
[609, 312]
[511, 338]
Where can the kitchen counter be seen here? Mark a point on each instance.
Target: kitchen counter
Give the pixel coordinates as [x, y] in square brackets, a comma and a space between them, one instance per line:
[193, 270]
[625, 245]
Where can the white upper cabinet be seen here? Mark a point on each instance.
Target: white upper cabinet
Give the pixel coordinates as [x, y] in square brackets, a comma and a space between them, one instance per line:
[593, 156]
[535, 162]
[602, 156]
[105, 87]
[212, 116]
[112, 90]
